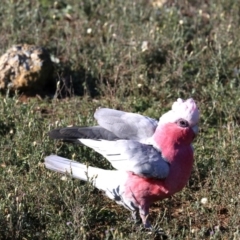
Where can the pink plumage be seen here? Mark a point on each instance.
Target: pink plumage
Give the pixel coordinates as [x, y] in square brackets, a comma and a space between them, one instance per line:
[153, 160]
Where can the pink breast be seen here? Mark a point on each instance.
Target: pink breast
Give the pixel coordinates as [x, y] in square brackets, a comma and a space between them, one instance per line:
[143, 190]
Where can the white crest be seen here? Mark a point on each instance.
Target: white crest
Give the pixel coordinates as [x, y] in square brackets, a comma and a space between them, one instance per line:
[187, 110]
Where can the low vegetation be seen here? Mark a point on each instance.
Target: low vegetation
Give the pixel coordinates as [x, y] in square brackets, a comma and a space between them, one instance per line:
[137, 56]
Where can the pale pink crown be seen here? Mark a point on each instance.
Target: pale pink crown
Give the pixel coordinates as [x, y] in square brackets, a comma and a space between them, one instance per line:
[182, 109]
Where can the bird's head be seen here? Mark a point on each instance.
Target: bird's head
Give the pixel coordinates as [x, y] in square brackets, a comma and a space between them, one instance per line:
[183, 112]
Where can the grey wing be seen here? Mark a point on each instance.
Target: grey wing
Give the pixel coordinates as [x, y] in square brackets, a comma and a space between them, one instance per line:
[126, 125]
[129, 155]
[72, 134]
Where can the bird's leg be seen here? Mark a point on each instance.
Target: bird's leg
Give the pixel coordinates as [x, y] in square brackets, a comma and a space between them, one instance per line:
[144, 216]
[135, 216]
[144, 213]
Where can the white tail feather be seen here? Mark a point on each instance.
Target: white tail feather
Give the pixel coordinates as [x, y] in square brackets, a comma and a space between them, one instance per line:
[102, 179]
[75, 169]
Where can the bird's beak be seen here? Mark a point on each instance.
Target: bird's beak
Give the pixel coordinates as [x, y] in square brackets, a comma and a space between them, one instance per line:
[195, 129]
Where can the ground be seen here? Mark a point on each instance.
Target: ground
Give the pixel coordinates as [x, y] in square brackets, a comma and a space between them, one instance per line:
[134, 56]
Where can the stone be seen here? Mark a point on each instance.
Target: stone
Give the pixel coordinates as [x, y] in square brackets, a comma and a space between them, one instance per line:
[27, 68]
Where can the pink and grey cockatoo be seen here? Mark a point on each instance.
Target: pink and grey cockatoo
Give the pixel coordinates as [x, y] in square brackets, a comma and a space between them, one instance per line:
[153, 159]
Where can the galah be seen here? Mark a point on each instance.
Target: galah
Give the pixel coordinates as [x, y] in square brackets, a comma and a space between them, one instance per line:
[153, 159]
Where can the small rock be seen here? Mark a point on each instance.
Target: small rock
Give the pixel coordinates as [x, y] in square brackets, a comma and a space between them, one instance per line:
[27, 68]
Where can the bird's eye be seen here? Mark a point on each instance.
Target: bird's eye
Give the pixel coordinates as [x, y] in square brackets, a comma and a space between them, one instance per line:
[182, 123]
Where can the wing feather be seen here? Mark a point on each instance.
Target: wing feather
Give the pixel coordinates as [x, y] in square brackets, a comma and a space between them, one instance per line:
[120, 138]
[114, 125]
[72, 134]
[129, 155]
[131, 126]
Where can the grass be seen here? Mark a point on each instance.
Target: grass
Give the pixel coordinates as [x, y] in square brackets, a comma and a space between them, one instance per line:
[132, 56]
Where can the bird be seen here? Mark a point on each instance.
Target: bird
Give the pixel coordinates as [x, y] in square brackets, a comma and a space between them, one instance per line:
[152, 159]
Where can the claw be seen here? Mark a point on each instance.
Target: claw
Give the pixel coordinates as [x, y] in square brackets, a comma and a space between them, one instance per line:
[157, 232]
[144, 216]
[136, 217]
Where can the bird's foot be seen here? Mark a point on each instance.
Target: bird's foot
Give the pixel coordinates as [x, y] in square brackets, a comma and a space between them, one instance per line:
[157, 232]
[136, 218]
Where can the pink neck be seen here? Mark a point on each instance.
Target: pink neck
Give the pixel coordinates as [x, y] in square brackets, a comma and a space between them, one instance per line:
[177, 150]
[174, 139]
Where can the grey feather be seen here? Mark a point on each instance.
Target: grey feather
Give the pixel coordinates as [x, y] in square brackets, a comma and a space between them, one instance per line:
[126, 125]
[72, 134]
[121, 138]
[129, 155]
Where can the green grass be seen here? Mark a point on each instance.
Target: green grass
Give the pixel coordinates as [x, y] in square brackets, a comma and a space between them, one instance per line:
[193, 51]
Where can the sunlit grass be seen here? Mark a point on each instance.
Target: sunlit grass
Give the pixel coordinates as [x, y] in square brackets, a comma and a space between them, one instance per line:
[135, 57]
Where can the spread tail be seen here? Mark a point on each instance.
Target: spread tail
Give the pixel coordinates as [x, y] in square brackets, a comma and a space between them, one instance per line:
[75, 169]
